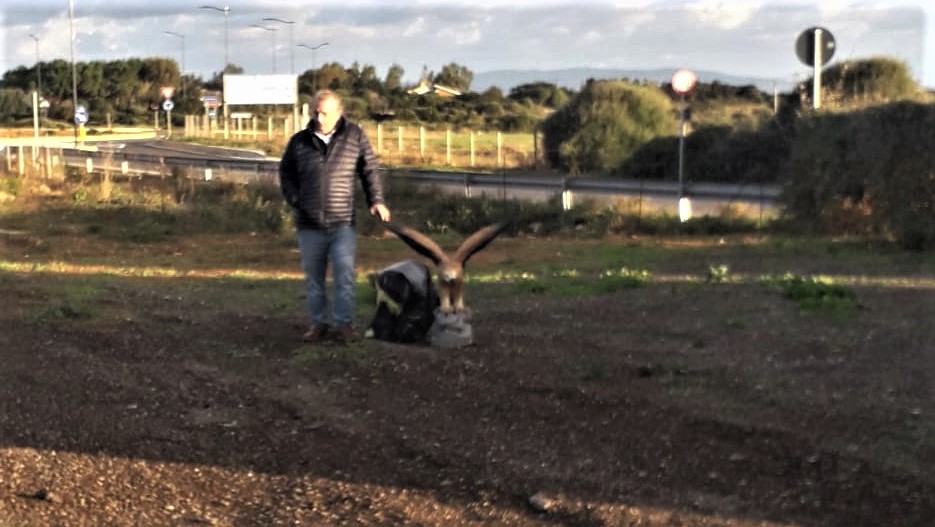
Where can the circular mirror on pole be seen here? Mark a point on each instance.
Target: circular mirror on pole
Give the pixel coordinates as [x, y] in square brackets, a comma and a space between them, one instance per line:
[683, 82]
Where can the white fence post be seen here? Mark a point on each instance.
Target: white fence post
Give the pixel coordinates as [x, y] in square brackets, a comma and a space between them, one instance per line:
[422, 143]
[448, 147]
[472, 149]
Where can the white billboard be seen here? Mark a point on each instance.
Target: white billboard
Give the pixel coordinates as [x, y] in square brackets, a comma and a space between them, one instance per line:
[261, 89]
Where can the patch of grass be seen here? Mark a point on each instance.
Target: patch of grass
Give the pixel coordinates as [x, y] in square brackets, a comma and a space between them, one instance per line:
[623, 278]
[532, 286]
[335, 358]
[11, 185]
[73, 301]
[569, 281]
[149, 231]
[815, 293]
[257, 296]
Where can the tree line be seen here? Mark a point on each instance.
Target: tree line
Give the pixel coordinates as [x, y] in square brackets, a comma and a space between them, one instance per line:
[128, 91]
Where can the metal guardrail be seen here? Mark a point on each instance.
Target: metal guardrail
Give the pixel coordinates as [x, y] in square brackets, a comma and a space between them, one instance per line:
[256, 170]
[238, 170]
[606, 186]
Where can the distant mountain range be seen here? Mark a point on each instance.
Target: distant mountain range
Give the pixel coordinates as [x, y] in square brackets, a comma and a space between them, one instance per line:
[574, 78]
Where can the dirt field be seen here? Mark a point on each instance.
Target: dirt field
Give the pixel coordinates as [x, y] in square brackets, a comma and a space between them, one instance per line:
[164, 383]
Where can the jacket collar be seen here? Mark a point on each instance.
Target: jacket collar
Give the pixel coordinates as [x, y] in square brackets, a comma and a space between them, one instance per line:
[338, 128]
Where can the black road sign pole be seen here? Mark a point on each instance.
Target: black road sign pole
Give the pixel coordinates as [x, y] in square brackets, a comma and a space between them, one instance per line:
[815, 46]
[816, 74]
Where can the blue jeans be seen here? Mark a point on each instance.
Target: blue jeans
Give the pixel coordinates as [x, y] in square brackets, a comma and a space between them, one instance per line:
[317, 247]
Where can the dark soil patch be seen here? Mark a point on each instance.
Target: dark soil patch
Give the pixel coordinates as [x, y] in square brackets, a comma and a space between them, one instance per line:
[192, 401]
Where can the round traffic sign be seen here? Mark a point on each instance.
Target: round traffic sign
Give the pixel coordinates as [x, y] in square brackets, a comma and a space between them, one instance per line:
[167, 105]
[683, 82]
[805, 46]
[81, 115]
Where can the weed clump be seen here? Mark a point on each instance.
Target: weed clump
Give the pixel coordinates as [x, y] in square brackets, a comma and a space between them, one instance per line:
[815, 294]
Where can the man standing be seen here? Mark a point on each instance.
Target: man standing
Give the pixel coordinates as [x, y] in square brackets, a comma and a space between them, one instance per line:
[316, 175]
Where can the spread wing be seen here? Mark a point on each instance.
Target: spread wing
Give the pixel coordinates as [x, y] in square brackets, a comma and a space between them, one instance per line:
[418, 241]
[478, 241]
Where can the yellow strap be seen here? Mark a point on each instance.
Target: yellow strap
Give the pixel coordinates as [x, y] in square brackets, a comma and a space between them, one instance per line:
[391, 304]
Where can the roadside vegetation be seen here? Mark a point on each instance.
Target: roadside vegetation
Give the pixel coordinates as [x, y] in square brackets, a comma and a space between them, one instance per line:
[861, 166]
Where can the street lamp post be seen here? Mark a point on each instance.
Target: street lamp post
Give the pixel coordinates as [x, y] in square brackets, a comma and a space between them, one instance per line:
[272, 31]
[182, 64]
[182, 37]
[314, 73]
[38, 66]
[74, 71]
[291, 23]
[226, 10]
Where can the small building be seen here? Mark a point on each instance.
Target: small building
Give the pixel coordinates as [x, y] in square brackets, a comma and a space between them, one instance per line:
[425, 87]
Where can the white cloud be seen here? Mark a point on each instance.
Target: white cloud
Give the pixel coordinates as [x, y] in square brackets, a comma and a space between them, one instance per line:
[744, 37]
[630, 20]
[466, 31]
[830, 8]
[590, 37]
[415, 28]
[461, 36]
[722, 14]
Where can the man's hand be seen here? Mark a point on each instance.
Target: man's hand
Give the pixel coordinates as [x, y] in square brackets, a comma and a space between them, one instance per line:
[379, 210]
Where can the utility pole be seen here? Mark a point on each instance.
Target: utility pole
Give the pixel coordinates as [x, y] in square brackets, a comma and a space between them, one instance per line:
[272, 31]
[291, 23]
[38, 66]
[314, 73]
[226, 10]
[182, 64]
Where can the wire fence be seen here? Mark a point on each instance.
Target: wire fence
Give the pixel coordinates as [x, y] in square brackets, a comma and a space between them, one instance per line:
[397, 144]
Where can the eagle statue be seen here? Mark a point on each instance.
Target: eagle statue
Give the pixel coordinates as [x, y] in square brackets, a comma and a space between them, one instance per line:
[450, 268]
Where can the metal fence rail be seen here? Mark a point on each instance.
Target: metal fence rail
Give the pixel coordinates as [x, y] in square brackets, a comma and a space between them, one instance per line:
[237, 170]
[521, 186]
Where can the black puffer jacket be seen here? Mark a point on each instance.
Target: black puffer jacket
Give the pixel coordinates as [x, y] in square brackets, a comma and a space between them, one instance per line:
[317, 180]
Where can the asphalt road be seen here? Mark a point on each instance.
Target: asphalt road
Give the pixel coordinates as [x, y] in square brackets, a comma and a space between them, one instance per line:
[706, 198]
[159, 148]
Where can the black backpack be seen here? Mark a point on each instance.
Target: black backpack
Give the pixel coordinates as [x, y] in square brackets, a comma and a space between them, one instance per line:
[406, 302]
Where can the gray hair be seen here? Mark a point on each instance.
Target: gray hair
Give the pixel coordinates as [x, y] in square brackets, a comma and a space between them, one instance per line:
[325, 95]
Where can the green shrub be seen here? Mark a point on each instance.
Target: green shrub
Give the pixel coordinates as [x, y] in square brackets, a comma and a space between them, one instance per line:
[604, 124]
[871, 171]
[12, 185]
[232, 207]
[880, 79]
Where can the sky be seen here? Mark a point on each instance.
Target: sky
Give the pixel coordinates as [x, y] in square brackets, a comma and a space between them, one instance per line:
[751, 38]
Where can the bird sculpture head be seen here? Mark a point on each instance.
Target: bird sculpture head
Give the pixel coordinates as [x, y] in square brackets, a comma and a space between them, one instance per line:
[449, 268]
